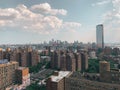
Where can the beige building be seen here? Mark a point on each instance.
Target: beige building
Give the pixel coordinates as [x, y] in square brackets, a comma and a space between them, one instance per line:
[13, 77]
[7, 74]
[23, 77]
[107, 74]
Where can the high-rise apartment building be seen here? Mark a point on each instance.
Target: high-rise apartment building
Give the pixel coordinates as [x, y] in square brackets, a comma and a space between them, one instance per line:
[78, 81]
[69, 61]
[77, 61]
[108, 79]
[7, 73]
[63, 62]
[1, 54]
[57, 80]
[13, 77]
[55, 59]
[84, 61]
[24, 56]
[23, 76]
[33, 58]
[100, 36]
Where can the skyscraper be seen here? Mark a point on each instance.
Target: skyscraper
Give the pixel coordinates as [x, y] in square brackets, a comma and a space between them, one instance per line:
[99, 36]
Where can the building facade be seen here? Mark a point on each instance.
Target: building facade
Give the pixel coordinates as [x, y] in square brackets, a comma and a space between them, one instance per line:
[24, 56]
[78, 61]
[69, 61]
[7, 74]
[22, 76]
[100, 36]
[57, 80]
[109, 75]
[84, 61]
[63, 62]
[73, 83]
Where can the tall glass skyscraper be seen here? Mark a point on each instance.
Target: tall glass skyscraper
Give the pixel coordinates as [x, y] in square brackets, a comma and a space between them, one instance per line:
[100, 36]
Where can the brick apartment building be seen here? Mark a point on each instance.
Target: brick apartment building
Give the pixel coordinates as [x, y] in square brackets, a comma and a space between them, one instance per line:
[7, 73]
[106, 80]
[69, 61]
[13, 77]
[24, 56]
[57, 80]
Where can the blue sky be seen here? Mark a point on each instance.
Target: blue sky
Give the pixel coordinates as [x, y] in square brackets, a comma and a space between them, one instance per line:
[35, 21]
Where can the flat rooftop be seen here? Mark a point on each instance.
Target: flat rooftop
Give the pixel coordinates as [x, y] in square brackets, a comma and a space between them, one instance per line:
[21, 68]
[104, 62]
[7, 64]
[3, 61]
[60, 76]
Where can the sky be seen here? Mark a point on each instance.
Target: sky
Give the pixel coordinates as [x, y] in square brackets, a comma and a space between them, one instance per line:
[35, 21]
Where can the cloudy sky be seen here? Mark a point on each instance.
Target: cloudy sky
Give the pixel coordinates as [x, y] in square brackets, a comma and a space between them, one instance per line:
[35, 21]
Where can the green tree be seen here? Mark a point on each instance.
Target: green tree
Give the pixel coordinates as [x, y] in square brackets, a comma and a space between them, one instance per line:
[93, 66]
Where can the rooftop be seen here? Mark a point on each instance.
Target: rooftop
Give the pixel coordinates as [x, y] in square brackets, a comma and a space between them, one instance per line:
[21, 68]
[103, 62]
[3, 61]
[61, 75]
[7, 63]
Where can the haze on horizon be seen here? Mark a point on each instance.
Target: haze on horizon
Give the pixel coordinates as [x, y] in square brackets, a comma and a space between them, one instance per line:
[35, 21]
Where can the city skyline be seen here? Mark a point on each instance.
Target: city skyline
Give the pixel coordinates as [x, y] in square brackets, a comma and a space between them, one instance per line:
[28, 21]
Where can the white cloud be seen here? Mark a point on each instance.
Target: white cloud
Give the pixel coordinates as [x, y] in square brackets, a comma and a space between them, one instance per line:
[46, 8]
[71, 25]
[7, 14]
[113, 15]
[116, 4]
[45, 22]
[112, 22]
[103, 2]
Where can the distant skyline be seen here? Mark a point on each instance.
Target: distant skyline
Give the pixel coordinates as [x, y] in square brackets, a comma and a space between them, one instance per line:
[35, 21]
